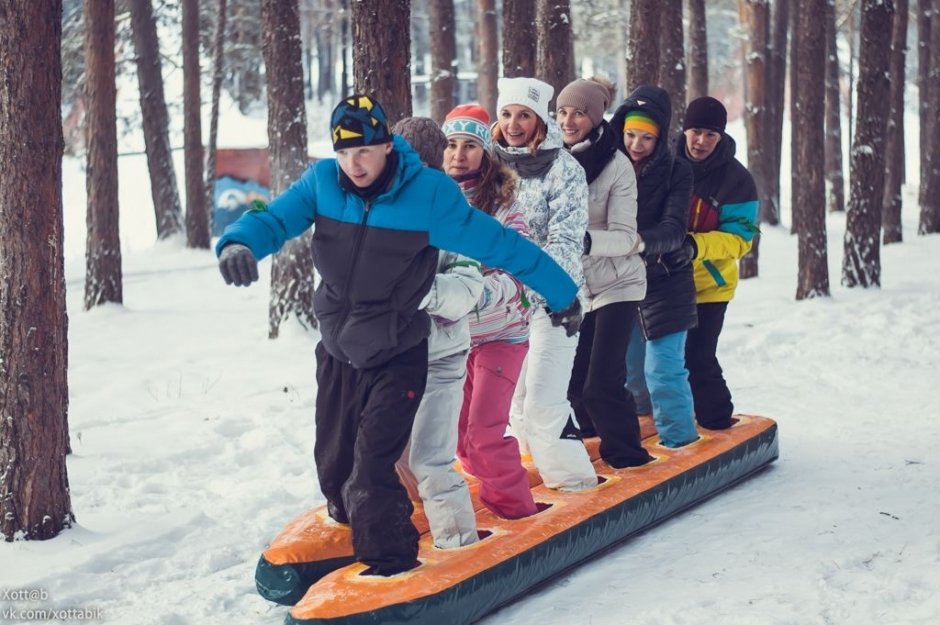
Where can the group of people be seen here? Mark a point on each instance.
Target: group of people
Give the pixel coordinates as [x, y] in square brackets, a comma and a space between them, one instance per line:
[548, 277]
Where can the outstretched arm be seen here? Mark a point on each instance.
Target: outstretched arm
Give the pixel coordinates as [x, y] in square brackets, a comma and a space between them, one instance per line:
[458, 227]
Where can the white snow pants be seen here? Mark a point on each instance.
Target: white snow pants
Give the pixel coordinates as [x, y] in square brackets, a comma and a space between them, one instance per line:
[541, 417]
[431, 453]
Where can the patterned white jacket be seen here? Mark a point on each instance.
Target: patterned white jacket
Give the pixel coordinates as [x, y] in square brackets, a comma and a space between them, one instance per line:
[555, 205]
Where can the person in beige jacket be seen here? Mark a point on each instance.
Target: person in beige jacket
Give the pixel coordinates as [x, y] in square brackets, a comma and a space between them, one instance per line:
[614, 274]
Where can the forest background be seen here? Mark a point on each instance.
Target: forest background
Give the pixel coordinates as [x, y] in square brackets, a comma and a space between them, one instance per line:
[69, 89]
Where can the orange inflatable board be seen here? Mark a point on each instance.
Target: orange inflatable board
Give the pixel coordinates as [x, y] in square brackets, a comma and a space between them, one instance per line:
[459, 586]
[313, 544]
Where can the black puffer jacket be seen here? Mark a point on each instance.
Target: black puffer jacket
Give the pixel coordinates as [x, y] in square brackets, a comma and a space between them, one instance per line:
[664, 190]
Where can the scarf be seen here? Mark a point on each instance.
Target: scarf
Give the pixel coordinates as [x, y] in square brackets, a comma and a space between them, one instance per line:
[597, 149]
[526, 165]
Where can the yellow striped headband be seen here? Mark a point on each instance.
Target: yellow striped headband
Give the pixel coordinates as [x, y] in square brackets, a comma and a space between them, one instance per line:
[635, 120]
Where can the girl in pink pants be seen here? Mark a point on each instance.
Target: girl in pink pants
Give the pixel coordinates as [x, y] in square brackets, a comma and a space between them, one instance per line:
[499, 326]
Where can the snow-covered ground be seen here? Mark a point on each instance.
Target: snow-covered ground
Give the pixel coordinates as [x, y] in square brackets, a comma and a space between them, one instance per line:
[193, 438]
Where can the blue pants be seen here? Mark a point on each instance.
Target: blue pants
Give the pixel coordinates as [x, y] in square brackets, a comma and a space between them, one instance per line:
[659, 381]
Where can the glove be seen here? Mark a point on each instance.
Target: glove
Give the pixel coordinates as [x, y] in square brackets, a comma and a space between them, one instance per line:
[683, 255]
[569, 318]
[238, 265]
[689, 248]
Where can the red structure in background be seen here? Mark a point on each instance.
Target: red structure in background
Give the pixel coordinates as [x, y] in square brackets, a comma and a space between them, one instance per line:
[244, 164]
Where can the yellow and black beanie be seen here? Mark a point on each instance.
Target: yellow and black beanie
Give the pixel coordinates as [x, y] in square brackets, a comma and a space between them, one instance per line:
[359, 120]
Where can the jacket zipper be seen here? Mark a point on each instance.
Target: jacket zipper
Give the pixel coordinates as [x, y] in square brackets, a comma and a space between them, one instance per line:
[357, 244]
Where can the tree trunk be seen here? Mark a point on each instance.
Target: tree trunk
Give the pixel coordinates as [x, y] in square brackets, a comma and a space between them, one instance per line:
[103, 282]
[894, 143]
[861, 263]
[520, 40]
[382, 53]
[774, 93]
[923, 90]
[488, 55]
[697, 77]
[292, 273]
[850, 40]
[930, 185]
[344, 50]
[835, 180]
[672, 63]
[197, 215]
[155, 121]
[794, 105]
[643, 46]
[443, 58]
[755, 16]
[809, 196]
[217, 67]
[555, 63]
[326, 61]
[34, 485]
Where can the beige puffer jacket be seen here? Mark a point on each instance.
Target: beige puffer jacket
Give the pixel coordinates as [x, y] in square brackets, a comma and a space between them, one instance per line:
[613, 271]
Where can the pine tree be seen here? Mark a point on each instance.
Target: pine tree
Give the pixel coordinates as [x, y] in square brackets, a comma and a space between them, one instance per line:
[861, 262]
[34, 486]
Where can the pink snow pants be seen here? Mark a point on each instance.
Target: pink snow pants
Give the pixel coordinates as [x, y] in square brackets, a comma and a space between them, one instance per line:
[483, 448]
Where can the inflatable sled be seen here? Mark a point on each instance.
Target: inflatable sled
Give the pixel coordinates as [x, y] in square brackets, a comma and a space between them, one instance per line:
[311, 562]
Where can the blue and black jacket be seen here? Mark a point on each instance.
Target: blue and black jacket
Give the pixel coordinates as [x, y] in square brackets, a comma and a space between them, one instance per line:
[377, 258]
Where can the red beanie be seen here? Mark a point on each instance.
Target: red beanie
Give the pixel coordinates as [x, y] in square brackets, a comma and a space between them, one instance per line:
[469, 120]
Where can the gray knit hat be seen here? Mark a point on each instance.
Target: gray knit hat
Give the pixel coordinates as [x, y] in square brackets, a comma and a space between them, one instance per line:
[426, 137]
[589, 96]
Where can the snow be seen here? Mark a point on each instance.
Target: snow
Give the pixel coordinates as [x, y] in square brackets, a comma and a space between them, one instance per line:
[193, 437]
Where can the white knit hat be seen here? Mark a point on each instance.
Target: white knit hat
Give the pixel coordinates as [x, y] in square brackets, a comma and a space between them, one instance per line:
[530, 92]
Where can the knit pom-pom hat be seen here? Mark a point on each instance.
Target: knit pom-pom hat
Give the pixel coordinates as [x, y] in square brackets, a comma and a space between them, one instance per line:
[469, 121]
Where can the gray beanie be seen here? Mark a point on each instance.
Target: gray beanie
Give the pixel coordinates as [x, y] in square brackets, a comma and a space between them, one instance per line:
[426, 137]
[586, 95]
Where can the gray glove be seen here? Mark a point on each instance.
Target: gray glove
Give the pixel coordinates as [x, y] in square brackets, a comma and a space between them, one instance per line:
[238, 265]
[569, 318]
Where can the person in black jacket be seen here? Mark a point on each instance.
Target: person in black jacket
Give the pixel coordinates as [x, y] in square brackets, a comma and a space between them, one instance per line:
[656, 373]
[722, 225]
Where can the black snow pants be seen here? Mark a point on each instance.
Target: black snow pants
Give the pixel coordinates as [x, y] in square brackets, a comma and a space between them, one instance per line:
[363, 422]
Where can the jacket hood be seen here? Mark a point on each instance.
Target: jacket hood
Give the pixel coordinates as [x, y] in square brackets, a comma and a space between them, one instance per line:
[651, 100]
[409, 165]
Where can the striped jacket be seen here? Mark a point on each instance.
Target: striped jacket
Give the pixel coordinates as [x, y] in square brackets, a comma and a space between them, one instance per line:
[555, 205]
[503, 312]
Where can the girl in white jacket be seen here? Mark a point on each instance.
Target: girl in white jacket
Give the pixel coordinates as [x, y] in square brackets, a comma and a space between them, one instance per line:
[553, 195]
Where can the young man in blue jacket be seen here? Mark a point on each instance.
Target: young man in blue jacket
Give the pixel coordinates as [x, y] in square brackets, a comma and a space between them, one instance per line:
[380, 218]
